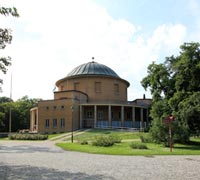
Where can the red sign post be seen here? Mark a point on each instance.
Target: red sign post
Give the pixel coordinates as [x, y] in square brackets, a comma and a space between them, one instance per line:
[168, 120]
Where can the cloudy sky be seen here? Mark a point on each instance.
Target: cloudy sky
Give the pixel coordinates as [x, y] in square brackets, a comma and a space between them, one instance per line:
[51, 37]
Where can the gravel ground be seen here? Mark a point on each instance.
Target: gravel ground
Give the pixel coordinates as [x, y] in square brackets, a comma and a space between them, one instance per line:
[44, 161]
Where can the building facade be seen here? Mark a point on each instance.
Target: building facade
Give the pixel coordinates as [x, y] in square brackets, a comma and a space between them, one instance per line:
[91, 96]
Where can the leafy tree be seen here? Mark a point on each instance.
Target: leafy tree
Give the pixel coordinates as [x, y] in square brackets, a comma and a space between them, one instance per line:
[175, 86]
[6, 38]
[20, 113]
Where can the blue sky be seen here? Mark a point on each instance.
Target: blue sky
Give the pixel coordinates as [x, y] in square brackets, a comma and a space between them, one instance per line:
[52, 37]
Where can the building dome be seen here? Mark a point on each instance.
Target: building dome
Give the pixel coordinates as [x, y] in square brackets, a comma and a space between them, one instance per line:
[92, 68]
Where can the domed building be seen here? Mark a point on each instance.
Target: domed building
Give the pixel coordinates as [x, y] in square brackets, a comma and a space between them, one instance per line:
[92, 95]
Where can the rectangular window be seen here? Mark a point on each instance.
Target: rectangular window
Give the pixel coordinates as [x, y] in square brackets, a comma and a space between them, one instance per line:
[100, 115]
[89, 114]
[128, 115]
[54, 123]
[62, 122]
[76, 86]
[47, 123]
[54, 107]
[112, 115]
[47, 107]
[62, 107]
[119, 115]
[97, 87]
[116, 88]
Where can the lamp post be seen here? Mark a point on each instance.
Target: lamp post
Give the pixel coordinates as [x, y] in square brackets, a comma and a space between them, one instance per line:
[72, 127]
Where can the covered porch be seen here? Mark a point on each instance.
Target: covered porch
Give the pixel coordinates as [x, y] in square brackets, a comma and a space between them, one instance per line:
[113, 116]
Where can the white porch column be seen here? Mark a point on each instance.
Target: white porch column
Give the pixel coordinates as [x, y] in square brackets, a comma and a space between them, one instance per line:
[95, 116]
[122, 115]
[31, 117]
[133, 115]
[81, 117]
[141, 117]
[37, 120]
[109, 116]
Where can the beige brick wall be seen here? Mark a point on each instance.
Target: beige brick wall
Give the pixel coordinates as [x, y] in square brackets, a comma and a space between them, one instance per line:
[47, 110]
[87, 85]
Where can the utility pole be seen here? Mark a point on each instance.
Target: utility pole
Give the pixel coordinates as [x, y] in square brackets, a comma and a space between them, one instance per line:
[10, 111]
[72, 126]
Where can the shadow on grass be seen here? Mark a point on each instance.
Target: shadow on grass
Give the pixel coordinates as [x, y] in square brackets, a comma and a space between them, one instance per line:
[102, 131]
[24, 172]
[192, 145]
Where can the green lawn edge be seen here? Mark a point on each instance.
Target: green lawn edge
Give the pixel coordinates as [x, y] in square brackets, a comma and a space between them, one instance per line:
[125, 149]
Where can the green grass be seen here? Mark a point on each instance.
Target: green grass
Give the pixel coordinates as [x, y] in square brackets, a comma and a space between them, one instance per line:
[91, 134]
[4, 138]
[124, 148]
[50, 136]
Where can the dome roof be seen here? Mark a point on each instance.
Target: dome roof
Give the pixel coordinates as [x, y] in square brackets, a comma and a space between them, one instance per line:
[92, 68]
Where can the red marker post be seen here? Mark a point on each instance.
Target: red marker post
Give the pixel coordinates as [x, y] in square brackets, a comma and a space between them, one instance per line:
[168, 121]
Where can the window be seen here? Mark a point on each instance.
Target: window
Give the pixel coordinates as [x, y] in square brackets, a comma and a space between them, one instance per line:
[119, 115]
[97, 87]
[62, 88]
[76, 85]
[47, 107]
[128, 115]
[100, 115]
[62, 107]
[54, 107]
[112, 115]
[54, 123]
[89, 114]
[116, 88]
[62, 122]
[47, 123]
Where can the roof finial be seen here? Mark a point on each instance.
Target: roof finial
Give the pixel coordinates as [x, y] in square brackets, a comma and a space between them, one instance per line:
[92, 59]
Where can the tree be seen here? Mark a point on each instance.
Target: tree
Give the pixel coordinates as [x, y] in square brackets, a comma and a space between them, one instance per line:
[6, 38]
[175, 86]
[20, 113]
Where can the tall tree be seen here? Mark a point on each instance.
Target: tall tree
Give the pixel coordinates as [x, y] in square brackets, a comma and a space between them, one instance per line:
[6, 38]
[175, 86]
[20, 113]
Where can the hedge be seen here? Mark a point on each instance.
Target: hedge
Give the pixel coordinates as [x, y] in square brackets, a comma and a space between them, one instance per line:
[28, 137]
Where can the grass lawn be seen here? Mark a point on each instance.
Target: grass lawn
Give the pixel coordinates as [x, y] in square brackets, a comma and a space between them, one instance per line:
[124, 148]
[50, 136]
[91, 134]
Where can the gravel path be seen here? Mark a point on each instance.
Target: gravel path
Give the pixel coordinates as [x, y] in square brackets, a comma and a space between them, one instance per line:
[44, 161]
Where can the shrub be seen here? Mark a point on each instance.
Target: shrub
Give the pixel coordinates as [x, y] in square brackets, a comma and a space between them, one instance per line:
[115, 138]
[83, 142]
[28, 137]
[135, 145]
[146, 138]
[103, 141]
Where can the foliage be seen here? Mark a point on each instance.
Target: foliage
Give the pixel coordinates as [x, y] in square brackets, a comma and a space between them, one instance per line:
[175, 86]
[83, 142]
[6, 38]
[136, 145]
[28, 137]
[146, 138]
[106, 140]
[20, 111]
[123, 148]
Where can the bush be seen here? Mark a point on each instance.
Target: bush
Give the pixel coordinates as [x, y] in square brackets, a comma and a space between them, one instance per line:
[28, 137]
[83, 142]
[135, 145]
[146, 138]
[115, 138]
[103, 141]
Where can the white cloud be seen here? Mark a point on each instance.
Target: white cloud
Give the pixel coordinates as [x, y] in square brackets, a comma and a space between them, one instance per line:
[53, 37]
